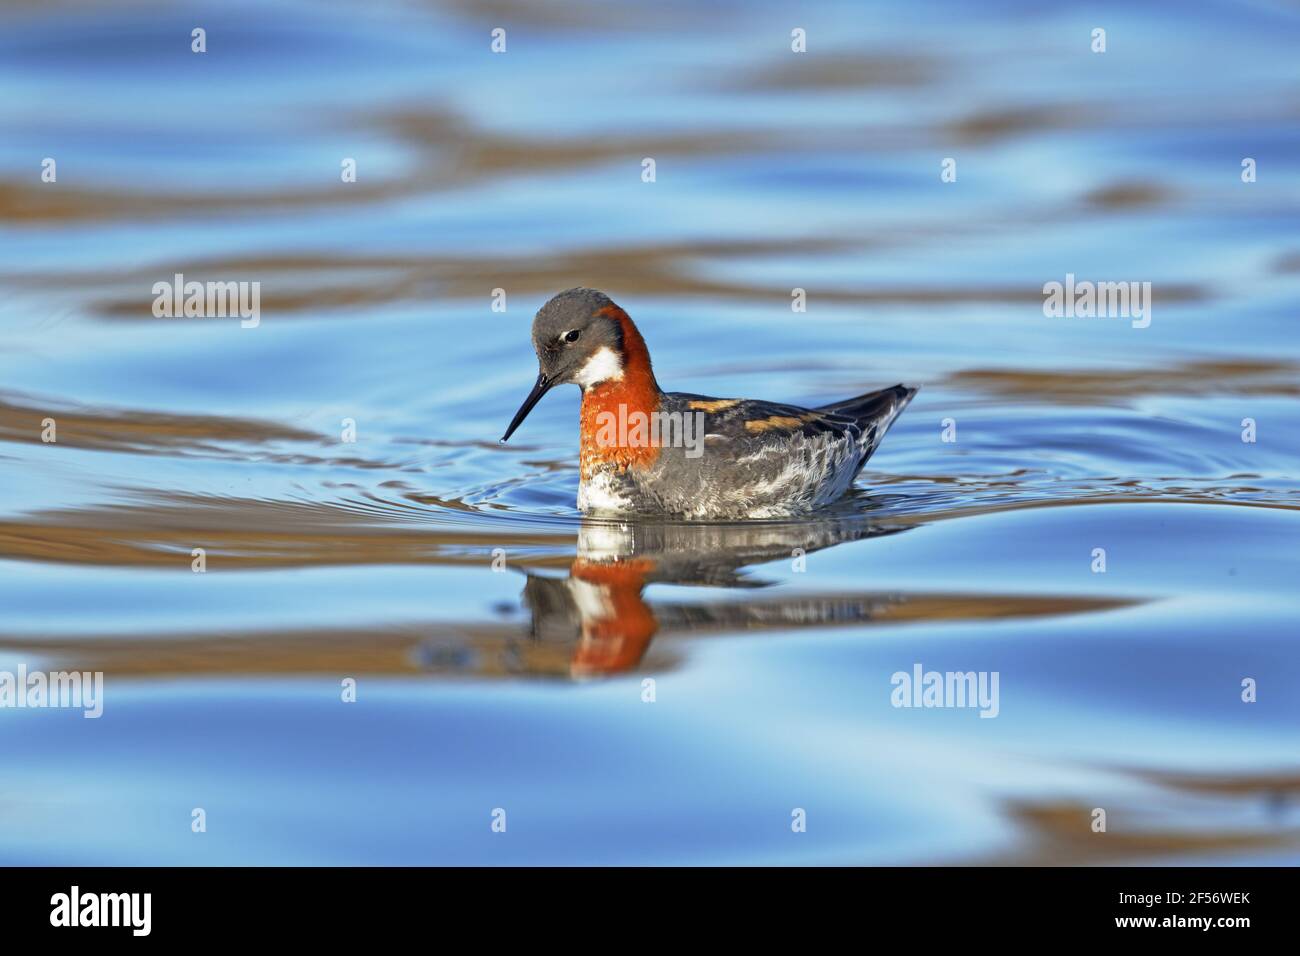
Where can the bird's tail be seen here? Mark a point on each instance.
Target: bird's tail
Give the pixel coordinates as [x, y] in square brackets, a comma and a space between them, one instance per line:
[874, 412]
[878, 408]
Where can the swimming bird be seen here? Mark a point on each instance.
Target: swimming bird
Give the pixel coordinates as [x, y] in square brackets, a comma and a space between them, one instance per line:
[647, 451]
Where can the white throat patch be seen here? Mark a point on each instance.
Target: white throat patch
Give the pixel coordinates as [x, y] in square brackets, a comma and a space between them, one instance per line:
[601, 367]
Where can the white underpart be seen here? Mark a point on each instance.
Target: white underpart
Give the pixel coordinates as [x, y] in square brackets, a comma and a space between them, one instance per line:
[600, 493]
[592, 600]
[601, 367]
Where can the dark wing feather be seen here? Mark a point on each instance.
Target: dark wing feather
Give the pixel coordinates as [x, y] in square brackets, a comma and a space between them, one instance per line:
[754, 423]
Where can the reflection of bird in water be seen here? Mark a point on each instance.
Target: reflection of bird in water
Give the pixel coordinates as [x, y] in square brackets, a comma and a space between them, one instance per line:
[600, 605]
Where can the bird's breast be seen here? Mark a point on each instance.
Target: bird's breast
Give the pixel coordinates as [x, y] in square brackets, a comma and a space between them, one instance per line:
[617, 426]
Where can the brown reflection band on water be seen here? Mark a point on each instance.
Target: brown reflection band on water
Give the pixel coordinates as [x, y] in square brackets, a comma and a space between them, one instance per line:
[435, 648]
[1103, 496]
[452, 152]
[558, 640]
[251, 542]
[633, 270]
[247, 534]
[1122, 386]
[1060, 834]
[307, 284]
[142, 432]
[832, 71]
[1283, 783]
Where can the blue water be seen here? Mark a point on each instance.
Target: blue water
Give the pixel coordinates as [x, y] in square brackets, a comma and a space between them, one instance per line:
[770, 645]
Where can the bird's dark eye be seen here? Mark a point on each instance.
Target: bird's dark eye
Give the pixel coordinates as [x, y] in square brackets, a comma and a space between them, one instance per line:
[572, 336]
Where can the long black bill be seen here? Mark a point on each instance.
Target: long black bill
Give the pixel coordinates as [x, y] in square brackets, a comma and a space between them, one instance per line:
[535, 396]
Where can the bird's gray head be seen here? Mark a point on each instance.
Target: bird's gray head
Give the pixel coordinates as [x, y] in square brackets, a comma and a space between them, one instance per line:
[570, 332]
[579, 338]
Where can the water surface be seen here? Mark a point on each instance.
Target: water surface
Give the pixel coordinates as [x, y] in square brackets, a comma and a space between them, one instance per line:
[500, 644]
